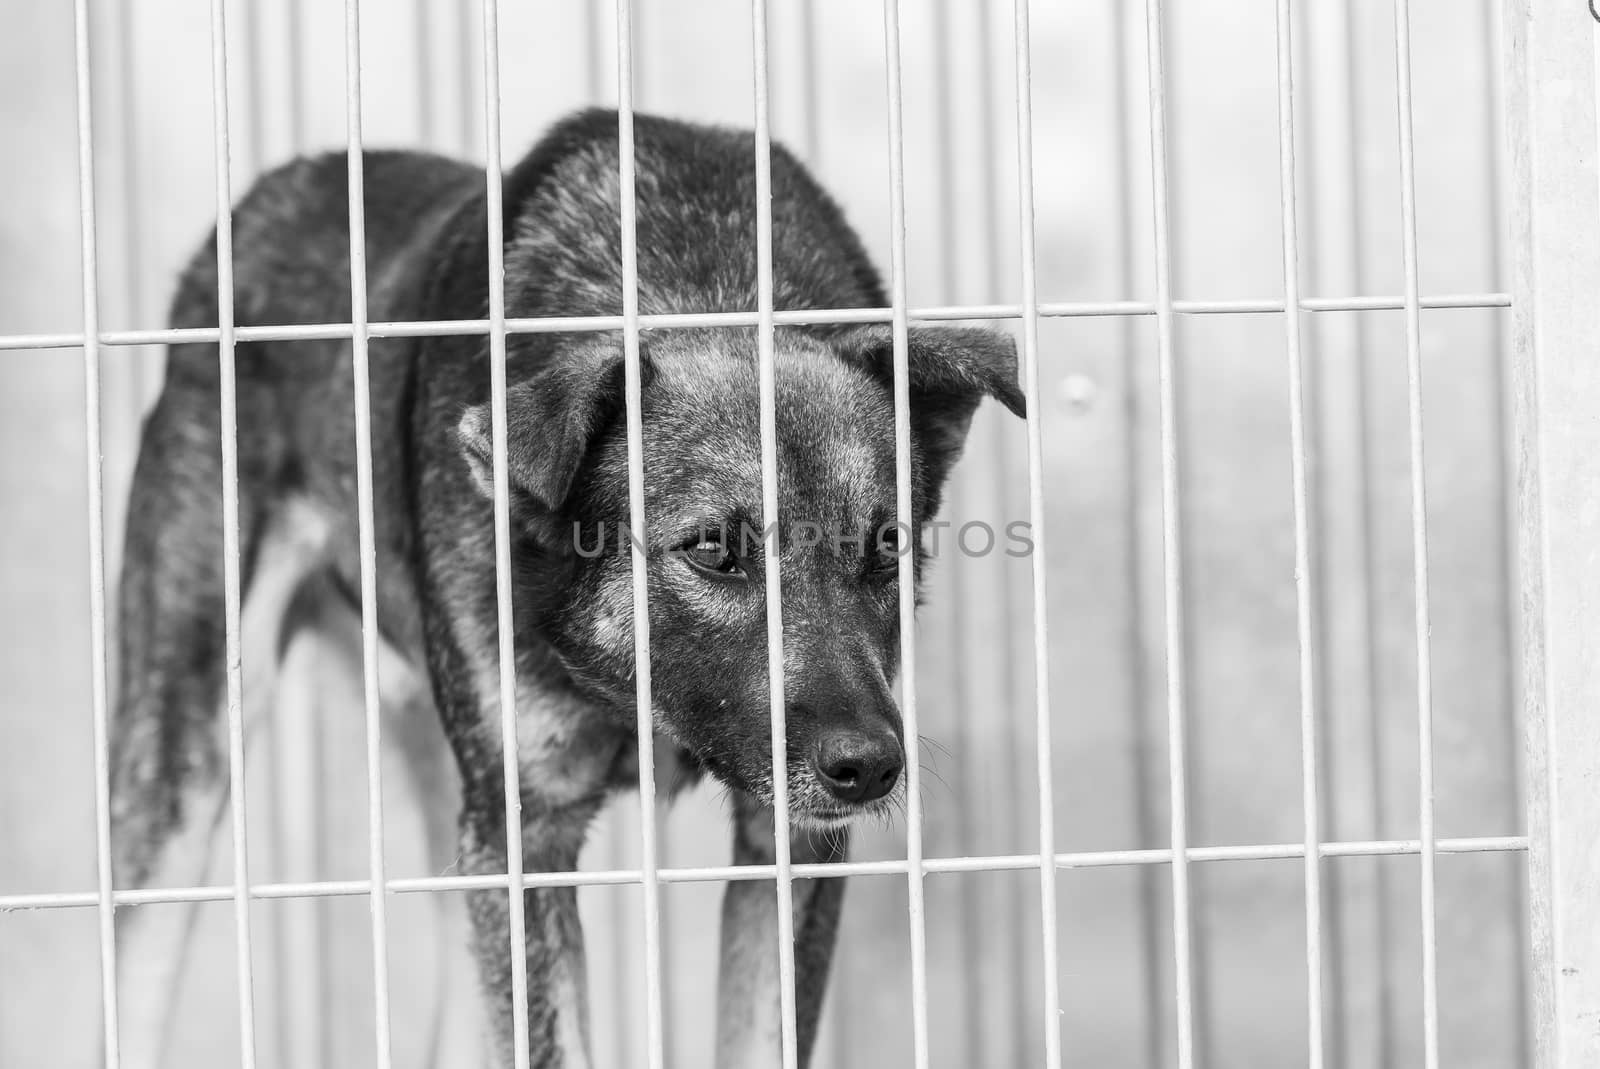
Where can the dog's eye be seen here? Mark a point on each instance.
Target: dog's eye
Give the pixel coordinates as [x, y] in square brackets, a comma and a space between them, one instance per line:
[709, 555]
[886, 562]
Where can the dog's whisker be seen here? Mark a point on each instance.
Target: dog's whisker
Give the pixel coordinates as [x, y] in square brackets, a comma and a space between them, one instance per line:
[934, 744]
[934, 773]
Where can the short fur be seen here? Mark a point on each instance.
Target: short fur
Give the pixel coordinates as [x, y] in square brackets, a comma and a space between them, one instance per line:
[427, 256]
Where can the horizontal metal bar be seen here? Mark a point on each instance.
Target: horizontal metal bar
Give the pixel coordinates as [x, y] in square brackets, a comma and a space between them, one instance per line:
[716, 874]
[807, 317]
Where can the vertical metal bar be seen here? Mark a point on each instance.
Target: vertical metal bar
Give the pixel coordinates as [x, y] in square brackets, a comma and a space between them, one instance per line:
[362, 370]
[633, 388]
[1555, 222]
[1304, 595]
[1419, 534]
[502, 537]
[770, 526]
[1036, 519]
[906, 518]
[297, 733]
[230, 531]
[969, 938]
[97, 551]
[1321, 42]
[994, 286]
[270, 740]
[1135, 521]
[131, 201]
[1368, 553]
[1171, 547]
[299, 729]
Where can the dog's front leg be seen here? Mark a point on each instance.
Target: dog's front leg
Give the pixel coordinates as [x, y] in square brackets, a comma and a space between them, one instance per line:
[558, 1019]
[748, 1015]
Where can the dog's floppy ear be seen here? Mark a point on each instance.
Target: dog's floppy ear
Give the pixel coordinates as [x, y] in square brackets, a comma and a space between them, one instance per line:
[551, 421]
[952, 369]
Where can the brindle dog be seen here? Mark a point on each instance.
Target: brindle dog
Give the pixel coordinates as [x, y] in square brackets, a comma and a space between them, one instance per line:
[427, 256]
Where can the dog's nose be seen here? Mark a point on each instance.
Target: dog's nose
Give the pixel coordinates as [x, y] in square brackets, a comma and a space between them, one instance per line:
[856, 766]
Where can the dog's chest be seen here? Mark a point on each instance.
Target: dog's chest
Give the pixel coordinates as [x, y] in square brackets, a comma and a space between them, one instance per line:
[566, 748]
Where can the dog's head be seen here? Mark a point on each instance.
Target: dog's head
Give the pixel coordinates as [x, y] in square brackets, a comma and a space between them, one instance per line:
[839, 538]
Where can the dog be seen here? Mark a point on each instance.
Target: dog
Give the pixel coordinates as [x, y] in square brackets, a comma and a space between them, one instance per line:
[427, 259]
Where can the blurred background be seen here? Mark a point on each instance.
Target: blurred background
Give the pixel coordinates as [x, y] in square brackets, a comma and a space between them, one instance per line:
[423, 87]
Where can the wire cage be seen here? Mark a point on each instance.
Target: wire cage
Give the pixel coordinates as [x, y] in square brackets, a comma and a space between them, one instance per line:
[1230, 770]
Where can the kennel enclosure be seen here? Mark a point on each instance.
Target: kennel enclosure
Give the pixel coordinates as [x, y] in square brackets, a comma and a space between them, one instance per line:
[1548, 182]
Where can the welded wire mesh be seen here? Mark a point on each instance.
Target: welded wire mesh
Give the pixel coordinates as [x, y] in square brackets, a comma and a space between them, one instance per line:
[1553, 909]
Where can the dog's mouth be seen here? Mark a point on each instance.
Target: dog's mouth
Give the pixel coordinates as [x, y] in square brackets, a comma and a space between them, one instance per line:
[809, 807]
[839, 817]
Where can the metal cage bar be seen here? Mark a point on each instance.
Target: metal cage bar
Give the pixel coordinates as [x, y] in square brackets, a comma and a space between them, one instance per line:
[639, 527]
[905, 520]
[1368, 544]
[1036, 517]
[1090, 859]
[98, 653]
[1558, 389]
[1550, 64]
[770, 518]
[1419, 536]
[505, 621]
[1171, 545]
[232, 588]
[366, 535]
[797, 317]
[1304, 594]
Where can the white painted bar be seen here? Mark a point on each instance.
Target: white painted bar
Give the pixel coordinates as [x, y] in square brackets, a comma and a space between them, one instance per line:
[798, 317]
[1135, 519]
[299, 741]
[505, 621]
[639, 528]
[916, 908]
[1304, 594]
[1171, 546]
[365, 520]
[1092, 859]
[1419, 536]
[770, 518]
[98, 656]
[976, 928]
[1027, 230]
[1550, 82]
[232, 589]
